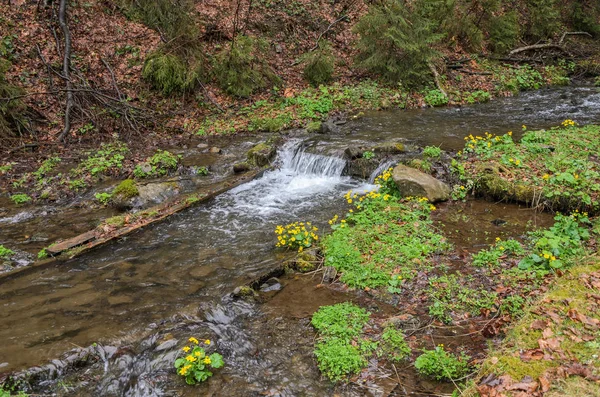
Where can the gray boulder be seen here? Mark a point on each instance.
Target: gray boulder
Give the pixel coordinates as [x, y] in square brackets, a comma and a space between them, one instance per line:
[412, 182]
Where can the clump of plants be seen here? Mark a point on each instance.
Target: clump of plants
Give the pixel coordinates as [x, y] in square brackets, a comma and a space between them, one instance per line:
[296, 235]
[442, 365]
[5, 253]
[338, 350]
[393, 344]
[20, 198]
[435, 98]
[126, 189]
[196, 366]
[103, 198]
[161, 163]
[319, 64]
[240, 68]
[170, 73]
[500, 249]
[107, 160]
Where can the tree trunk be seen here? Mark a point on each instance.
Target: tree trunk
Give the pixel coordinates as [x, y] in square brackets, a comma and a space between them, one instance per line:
[66, 70]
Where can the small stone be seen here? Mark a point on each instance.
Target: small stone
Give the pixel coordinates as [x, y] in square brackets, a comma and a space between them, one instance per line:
[271, 284]
[202, 146]
[167, 345]
[353, 152]
[215, 150]
[329, 274]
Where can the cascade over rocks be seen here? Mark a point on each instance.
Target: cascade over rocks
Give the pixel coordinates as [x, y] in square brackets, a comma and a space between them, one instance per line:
[412, 182]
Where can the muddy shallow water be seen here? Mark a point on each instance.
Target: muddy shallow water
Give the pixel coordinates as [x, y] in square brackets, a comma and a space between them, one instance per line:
[146, 289]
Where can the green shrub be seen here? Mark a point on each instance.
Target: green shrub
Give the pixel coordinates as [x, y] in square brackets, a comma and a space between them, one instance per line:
[172, 19]
[478, 96]
[396, 43]
[543, 19]
[170, 73]
[584, 17]
[432, 152]
[126, 189]
[435, 98]
[441, 365]
[344, 320]
[319, 65]
[5, 253]
[240, 68]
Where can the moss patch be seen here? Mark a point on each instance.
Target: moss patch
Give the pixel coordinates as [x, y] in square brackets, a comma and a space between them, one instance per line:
[126, 189]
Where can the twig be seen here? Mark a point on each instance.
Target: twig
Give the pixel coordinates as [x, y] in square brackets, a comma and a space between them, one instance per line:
[327, 30]
[565, 34]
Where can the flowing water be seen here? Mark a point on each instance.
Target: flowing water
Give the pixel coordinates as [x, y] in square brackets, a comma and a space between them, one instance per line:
[151, 289]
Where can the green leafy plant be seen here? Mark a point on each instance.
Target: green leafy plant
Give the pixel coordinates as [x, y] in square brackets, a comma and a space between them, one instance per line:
[196, 366]
[340, 351]
[478, 96]
[368, 155]
[442, 365]
[47, 166]
[393, 345]
[103, 198]
[296, 235]
[5, 253]
[435, 98]
[432, 152]
[501, 249]
[108, 159]
[20, 198]
[43, 254]
[159, 164]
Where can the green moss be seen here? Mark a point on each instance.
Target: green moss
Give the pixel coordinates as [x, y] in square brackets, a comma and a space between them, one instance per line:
[518, 369]
[313, 126]
[116, 221]
[126, 189]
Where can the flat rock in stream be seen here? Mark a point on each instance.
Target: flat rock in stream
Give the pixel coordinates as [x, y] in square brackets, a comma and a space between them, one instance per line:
[412, 182]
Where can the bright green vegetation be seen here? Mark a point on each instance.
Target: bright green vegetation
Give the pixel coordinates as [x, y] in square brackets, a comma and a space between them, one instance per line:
[47, 166]
[338, 326]
[196, 365]
[20, 198]
[5, 253]
[126, 189]
[319, 64]
[393, 345]
[384, 243]
[368, 155]
[435, 98]
[103, 198]
[478, 96]
[432, 152]
[105, 161]
[501, 249]
[441, 365]
[170, 73]
[554, 168]
[451, 294]
[343, 348]
[161, 163]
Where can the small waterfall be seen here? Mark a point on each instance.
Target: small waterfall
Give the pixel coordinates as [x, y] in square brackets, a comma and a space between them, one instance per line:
[293, 157]
[384, 165]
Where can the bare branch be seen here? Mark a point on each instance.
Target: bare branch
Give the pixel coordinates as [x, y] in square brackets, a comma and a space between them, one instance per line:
[62, 20]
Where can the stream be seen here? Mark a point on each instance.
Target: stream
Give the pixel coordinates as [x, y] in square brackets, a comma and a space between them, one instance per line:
[134, 302]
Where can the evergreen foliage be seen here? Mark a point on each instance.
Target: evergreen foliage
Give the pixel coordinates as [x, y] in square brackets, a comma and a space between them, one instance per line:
[240, 68]
[11, 111]
[397, 43]
[319, 65]
[504, 32]
[170, 73]
[543, 19]
[171, 18]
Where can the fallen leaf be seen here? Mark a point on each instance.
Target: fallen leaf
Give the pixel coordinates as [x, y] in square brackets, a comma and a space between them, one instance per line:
[532, 355]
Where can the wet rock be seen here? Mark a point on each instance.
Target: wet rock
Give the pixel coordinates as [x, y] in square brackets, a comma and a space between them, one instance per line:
[390, 148]
[329, 127]
[215, 150]
[244, 292]
[241, 167]
[167, 345]
[362, 168]
[493, 182]
[155, 193]
[404, 321]
[261, 154]
[124, 193]
[278, 49]
[329, 274]
[353, 152]
[270, 285]
[202, 146]
[412, 182]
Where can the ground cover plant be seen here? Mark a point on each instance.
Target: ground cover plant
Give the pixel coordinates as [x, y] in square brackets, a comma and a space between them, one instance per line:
[196, 366]
[555, 168]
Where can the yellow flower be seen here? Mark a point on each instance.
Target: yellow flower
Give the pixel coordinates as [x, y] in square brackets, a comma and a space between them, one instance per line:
[193, 340]
[190, 358]
[498, 239]
[547, 256]
[545, 177]
[509, 133]
[186, 349]
[207, 360]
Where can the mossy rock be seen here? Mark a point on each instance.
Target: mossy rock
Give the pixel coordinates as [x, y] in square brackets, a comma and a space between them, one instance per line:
[241, 167]
[390, 148]
[306, 261]
[493, 181]
[421, 165]
[362, 168]
[313, 127]
[261, 154]
[126, 189]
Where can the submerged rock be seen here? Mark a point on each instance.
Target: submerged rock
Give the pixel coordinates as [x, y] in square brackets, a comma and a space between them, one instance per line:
[412, 182]
[390, 148]
[241, 167]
